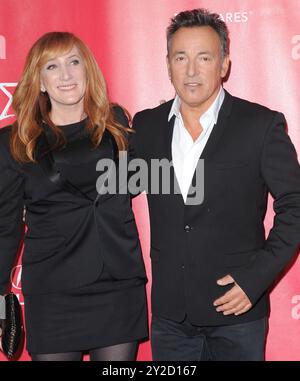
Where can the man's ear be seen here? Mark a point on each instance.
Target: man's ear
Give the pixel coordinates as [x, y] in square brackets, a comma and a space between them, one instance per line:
[169, 68]
[225, 66]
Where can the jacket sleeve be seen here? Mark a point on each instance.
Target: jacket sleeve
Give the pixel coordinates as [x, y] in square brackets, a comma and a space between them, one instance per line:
[11, 214]
[281, 173]
[135, 137]
[122, 118]
[134, 151]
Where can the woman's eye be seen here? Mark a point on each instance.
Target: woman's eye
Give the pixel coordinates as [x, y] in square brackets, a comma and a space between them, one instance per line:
[75, 62]
[51, 67]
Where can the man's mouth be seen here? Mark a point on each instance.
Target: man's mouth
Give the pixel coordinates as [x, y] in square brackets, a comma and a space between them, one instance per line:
[192, 84]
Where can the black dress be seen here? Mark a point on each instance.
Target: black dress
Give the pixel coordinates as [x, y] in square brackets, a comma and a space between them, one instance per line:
[107, 312]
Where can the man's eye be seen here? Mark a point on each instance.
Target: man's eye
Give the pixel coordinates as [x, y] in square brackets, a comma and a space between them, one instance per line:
[179, 58]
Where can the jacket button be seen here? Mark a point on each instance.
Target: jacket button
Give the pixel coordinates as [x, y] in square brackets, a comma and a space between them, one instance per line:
[187, 228]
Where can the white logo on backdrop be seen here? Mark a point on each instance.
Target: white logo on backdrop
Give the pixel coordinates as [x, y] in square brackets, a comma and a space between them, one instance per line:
[15, 278]
[296, 48]
[296, 309]
[235, 17]
[2, 48]
[6, 89]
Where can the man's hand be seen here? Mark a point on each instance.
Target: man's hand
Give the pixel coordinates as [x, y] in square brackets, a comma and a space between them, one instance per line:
[235, 301]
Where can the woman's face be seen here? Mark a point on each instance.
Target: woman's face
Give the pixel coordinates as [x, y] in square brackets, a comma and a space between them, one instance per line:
[64, 79]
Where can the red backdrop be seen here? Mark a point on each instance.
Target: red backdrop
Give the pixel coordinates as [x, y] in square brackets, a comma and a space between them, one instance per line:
[128, 40]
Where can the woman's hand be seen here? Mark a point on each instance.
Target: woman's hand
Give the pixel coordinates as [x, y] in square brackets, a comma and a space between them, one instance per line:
[1, 330]
[2, 317]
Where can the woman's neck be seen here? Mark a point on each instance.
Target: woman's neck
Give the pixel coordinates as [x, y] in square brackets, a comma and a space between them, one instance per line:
[63, 117]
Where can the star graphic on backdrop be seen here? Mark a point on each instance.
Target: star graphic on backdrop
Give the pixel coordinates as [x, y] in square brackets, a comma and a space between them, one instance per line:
[6, 89]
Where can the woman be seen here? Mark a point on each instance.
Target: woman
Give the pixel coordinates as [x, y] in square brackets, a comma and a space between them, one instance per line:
[83, 276]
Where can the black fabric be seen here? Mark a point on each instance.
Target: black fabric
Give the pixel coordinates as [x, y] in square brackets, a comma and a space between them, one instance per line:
[69, 236]
[83, 276]
[107, 312]
[172, 341]
[247, 156]
[63, 167]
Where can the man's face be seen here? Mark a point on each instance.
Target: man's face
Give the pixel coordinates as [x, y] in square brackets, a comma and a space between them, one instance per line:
[196, 66]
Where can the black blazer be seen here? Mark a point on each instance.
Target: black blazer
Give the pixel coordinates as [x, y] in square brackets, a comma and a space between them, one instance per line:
[248, 155]
[69, 235]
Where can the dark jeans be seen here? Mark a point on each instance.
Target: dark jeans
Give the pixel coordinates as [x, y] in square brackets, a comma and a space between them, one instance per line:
[172, 341]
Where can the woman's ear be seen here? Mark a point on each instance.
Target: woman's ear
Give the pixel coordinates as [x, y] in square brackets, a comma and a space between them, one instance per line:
[43, 90]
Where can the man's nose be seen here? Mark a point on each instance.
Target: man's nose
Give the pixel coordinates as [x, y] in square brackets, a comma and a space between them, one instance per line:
[191, 68]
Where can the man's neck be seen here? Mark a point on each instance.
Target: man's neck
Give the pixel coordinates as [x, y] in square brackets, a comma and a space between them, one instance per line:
[191, 113]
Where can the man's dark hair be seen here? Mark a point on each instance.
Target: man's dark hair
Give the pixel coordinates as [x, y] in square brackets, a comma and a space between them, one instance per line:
[200, 17]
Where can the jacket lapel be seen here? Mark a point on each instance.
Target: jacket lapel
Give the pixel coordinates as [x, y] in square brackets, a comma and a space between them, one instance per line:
[168, 136]
[215, 136]
[219, 128]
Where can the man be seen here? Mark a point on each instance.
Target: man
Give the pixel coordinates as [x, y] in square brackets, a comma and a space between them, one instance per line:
[211, 264]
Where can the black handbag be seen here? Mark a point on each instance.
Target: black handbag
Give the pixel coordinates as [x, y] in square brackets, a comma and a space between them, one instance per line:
[12, 327]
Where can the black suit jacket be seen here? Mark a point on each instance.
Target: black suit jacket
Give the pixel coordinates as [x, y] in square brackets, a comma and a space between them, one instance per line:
[248, 155]
[69, 235]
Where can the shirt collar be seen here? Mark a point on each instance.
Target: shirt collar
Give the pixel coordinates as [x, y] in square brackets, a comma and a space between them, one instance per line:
[212, 113]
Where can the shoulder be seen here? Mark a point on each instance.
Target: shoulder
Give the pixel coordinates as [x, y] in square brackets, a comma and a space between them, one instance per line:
[159, 113]
[253, 118]
[254, 112]
[6, 157]
[120, 115]
[5, 154]
[5, 131]
[5, 137]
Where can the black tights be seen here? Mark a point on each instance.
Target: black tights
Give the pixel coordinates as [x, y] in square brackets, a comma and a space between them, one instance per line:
[120, 352]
